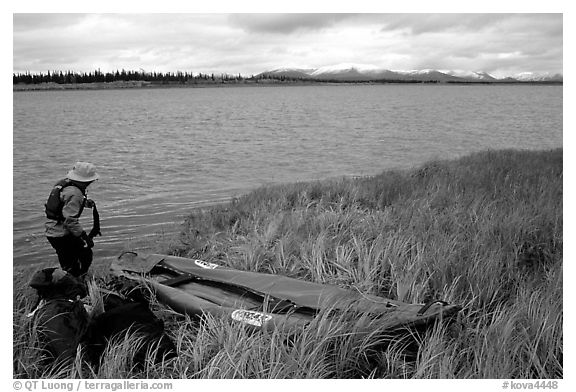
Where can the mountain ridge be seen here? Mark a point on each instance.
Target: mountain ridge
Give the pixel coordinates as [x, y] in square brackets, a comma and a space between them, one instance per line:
[353, 72]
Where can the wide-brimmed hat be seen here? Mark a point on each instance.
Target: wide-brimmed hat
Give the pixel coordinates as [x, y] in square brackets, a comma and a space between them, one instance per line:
[83, 172]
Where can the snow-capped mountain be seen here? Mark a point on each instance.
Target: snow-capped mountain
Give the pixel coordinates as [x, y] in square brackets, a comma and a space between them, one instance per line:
[347, 70]
[470, 75]
[352, 72]
[366, 72]
[290, 72]
[426, 75]
[346, 67]
[538, 77]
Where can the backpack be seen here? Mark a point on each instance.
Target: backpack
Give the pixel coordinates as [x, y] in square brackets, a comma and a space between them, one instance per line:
[54, 203]
[54, 283]
[60, 318]
[127, 310]
[122, 316]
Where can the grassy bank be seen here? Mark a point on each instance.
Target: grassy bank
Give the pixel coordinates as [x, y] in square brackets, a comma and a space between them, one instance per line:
[483, 231]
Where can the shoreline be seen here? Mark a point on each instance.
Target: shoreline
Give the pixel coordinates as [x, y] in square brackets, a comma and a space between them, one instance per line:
[218, 204]
[118, 85]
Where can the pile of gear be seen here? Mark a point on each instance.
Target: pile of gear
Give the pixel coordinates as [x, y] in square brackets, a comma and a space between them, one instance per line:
[64, 319]
[60, 316]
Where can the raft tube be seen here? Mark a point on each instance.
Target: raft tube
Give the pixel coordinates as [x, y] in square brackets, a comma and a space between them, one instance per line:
[260, 300]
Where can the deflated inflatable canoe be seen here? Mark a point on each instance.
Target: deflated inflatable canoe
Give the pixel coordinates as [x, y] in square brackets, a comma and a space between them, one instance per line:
[261, 300]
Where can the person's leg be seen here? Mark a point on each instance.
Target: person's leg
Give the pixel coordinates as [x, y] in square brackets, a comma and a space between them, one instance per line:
[76, 246]
[68, 249]
[84, 260]
[64, 251]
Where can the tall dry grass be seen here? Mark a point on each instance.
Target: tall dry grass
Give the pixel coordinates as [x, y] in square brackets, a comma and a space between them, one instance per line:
[483, 231]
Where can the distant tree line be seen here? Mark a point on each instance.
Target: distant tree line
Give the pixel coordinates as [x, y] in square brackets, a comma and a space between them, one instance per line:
[179, 77]
[97, 76]
[286, 78]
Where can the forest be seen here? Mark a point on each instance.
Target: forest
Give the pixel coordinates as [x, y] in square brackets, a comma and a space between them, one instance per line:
[179, 77]
[97, 76]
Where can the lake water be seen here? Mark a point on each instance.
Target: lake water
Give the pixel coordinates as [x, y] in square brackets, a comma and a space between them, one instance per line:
[161, 153]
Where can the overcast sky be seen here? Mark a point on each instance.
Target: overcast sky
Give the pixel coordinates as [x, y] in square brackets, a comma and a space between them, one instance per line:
[500, 44]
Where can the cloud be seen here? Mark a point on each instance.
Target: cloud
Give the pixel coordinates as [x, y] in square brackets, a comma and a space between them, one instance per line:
[116, 41]
[416, 24]
[435, 23]
[284, 23]
[476, 42]
[35, 22]
[252, 43]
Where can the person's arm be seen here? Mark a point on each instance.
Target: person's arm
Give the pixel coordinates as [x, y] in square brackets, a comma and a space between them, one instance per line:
[71, 211]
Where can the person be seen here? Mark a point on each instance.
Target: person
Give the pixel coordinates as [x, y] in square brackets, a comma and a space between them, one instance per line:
[63, 210]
